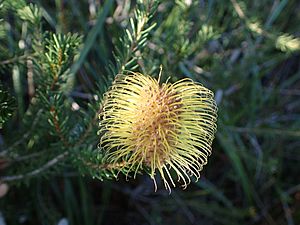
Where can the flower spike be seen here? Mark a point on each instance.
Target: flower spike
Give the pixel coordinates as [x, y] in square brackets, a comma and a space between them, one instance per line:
[162, 127]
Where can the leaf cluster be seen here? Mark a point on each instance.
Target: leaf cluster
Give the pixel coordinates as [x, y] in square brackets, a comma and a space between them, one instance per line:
[56, 121]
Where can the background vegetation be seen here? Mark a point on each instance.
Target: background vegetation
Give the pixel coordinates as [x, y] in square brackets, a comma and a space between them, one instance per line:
[57, 58]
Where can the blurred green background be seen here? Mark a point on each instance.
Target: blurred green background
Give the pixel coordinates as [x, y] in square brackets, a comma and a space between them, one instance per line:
[247, 52]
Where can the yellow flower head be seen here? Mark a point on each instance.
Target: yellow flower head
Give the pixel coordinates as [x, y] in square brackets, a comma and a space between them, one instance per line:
[161, 127]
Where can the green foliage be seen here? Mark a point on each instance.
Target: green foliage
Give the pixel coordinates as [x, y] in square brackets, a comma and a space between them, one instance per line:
[30, 13]
[7, 105]
[134, 39]
[57, 59]
[68, 127]
[58, 53]
[13, 5]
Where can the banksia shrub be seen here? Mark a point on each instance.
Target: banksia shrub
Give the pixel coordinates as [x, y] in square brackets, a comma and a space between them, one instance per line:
[165, 128]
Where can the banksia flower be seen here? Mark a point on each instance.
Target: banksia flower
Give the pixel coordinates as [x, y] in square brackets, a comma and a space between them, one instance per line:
[158, 127]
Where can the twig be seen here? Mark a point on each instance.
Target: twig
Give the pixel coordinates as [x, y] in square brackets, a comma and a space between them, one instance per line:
[48, 165]
[57, 126]
[15, 59]
[27, 157]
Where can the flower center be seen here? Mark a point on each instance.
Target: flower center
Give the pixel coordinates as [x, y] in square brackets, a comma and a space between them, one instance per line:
[156, 125]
